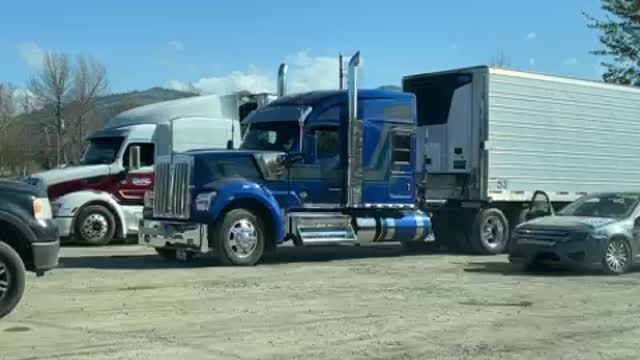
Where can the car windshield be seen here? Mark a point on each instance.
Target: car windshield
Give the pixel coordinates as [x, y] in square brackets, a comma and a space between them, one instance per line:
[101, 150]
[608, 206]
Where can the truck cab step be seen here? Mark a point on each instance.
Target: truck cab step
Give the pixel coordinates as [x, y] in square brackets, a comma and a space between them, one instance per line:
[323, 228]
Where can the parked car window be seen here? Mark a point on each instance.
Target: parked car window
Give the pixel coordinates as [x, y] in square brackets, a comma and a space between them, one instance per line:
[608, 206]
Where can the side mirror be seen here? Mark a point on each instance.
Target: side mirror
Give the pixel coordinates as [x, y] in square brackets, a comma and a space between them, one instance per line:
[293, 158]
[230, 145]
[636, 223]
[134, 158]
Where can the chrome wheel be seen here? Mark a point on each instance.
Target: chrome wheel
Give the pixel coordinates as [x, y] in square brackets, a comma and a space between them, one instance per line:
[617, 256]
[242, 238]
[493, 231]
[95, 227]
[5, 280]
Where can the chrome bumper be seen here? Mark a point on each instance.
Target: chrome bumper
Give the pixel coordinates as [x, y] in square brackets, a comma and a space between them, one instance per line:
[170, 234]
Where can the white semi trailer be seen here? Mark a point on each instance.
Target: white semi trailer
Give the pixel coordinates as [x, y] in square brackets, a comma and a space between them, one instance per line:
[491, 137]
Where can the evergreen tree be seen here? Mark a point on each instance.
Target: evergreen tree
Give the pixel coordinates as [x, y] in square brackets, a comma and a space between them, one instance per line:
[620, 34]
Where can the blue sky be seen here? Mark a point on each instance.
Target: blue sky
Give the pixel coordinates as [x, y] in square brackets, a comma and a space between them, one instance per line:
[222, 45]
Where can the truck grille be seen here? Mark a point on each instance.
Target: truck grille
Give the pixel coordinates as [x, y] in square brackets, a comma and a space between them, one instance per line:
[549, 235]
[172, 190]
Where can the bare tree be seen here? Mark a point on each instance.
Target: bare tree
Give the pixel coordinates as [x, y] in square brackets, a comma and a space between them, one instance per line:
[89, 81]
[499, 59]
[7, 111]
[51, 86]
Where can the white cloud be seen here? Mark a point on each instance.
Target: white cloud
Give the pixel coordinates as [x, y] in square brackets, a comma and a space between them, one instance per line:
[32, 54]
[20, 102]
[532, 35]
[176, 45]
[305, 73]
[570, 61]
[532, 62]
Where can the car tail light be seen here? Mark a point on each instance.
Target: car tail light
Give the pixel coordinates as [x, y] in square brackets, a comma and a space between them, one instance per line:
[148, 199]
[42, 209]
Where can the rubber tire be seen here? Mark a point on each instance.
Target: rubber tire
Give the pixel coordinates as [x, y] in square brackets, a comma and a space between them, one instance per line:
[223, 253]
[475, 239]
[111, 223]
[17, 271]
[166, 254]
[606, 268]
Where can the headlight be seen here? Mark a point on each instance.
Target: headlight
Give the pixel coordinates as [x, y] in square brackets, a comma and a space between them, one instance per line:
[204, 201]
[42, 209]
[148, 199]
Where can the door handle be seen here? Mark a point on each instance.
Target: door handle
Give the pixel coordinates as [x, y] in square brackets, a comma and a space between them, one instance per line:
[335, 189]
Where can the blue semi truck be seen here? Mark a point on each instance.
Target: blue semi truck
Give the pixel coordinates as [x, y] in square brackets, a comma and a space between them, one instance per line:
[317, 168]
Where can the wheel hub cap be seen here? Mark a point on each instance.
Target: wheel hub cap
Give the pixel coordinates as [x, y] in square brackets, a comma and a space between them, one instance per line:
[95, 227]
[4, 280]
[617, 255]
[242, 238]
[493, 231]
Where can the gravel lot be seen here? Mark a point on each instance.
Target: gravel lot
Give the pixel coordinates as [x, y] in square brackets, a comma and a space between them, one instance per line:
[123, 302]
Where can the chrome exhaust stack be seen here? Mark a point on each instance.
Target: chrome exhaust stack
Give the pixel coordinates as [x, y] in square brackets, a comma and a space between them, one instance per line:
[354, 139]
[352, 88]
[282, 80]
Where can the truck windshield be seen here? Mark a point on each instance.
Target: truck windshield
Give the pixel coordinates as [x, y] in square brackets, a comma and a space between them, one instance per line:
[101, 150]
[615, 206]
[272, 136]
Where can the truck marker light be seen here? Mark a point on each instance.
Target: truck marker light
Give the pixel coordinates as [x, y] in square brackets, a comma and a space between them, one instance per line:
[204, 201]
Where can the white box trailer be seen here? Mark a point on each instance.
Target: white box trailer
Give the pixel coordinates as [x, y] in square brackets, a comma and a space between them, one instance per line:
[491, 137]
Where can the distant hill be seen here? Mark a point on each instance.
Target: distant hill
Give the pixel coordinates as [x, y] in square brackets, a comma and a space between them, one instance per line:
[125, 101]
[109, 105]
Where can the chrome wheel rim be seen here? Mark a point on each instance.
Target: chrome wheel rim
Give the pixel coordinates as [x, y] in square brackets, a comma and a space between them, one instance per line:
[5, 280]
[242, 238]
[493, 231]
[94, 227]
[617, 256]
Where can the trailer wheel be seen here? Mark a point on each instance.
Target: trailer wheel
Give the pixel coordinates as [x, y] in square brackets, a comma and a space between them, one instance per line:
[239, 239]
[12, 279]
[489, 232]
[95, 225]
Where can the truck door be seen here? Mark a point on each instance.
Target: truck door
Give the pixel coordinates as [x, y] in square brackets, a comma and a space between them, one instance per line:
[318, 180]
[401, 179]
[130, 191]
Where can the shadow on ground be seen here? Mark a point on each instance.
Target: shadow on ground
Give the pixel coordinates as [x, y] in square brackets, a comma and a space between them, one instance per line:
[505, 268]
[282, 256]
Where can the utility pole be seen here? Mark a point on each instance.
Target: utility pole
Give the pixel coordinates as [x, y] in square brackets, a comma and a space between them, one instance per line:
[341, 72]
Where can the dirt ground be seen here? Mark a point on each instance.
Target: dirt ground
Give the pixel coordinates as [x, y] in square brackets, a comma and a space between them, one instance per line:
[326, 303]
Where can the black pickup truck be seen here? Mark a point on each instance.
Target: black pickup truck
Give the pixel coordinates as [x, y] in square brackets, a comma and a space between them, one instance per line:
[28, 239]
